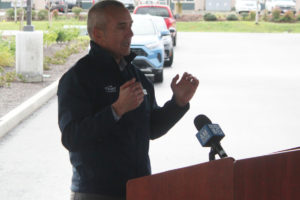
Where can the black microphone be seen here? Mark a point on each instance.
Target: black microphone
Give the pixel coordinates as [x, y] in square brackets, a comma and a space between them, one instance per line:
[210, 135]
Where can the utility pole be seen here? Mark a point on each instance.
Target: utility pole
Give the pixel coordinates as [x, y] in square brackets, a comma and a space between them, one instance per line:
[28, 27]
[29, 51]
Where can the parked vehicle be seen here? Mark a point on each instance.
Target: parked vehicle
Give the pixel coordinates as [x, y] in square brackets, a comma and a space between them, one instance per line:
[167, 40]
[245, 6]
[283, 5]
[129, 4]
[147, 43]
[162, 11]
[60, 5]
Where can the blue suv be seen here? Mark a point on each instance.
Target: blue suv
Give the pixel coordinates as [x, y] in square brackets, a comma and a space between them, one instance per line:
[147, 43]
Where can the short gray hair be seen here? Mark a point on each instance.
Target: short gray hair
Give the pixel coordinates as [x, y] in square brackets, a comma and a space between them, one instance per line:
[96, 15]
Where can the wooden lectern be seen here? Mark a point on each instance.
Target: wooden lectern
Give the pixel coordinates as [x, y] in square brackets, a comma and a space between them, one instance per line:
[208, 181]
[270, 177]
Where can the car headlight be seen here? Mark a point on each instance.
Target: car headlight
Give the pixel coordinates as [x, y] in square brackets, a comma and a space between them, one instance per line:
[153, 45]
[167, 39]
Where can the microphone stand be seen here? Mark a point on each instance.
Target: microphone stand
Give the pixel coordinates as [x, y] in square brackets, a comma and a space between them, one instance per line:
[212, 154]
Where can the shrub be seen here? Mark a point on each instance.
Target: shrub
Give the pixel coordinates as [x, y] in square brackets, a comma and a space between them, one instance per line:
[209, 17]
[265, 17]
[298, 16]
[33, 14]
[232, 17]
[8, 77]
[77, 11]
[64, 35]
[252, 15]
[61, 56]
[276, 15]
[7, 52]
[245, 16]
[55, 13]
[50, 37]
[10, 14]
[288, 17]
[42, 14]
[6, 59]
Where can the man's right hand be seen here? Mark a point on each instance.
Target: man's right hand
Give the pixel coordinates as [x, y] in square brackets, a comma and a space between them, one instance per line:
[130, 97]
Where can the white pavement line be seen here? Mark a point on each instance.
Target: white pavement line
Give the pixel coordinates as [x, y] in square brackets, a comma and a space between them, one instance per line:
[14, 117]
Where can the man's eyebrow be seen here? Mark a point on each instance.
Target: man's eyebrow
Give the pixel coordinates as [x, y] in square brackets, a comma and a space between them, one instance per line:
[124, 23]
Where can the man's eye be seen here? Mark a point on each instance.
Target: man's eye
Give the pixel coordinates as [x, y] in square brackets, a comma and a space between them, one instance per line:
[121, 27]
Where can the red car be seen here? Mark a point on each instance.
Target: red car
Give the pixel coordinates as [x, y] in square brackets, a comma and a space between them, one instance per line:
[162, 11]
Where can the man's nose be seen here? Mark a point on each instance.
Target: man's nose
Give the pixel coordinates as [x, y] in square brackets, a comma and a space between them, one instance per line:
[130, 32]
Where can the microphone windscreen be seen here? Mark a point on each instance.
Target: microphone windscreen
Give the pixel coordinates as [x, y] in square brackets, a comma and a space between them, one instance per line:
[200, 121]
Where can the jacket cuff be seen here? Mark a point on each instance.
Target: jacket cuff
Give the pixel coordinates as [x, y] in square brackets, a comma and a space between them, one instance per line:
[177, 107]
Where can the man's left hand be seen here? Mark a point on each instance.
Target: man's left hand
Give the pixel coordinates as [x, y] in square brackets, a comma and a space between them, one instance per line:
[185, 89]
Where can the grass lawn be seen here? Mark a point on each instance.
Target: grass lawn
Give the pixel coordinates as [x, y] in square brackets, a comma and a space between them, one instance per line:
[41, 25]
[200, 26]
[238, 26]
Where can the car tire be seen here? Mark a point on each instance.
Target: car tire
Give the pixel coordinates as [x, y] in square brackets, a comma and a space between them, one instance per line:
[175, 40]
[159, 76]
[170, 61]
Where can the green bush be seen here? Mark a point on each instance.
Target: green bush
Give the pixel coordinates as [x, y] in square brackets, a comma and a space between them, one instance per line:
[10, 13]
[33, 14]
[298, 17]
[232, 17]
[7, 52]
[288, 17]
[61, 35]
[209, 17]
[76, 11]
[266, 17]
[276, 15]
[50, 37]
[6, 78]
[8, 44]
[61, 56]
[6, 59]
[245, 16]
[64, 35]
[42, 14]
[252, 15]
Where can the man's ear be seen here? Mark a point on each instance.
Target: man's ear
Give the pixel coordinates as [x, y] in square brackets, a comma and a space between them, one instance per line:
[98, 35]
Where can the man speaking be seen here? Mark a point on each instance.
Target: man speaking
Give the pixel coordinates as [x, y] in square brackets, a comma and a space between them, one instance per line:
[107, 109]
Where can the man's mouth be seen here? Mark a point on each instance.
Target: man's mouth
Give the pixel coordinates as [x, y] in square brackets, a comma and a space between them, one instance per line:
[126, 44]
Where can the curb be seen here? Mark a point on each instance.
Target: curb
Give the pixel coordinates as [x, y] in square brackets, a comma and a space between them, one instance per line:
[17, 115]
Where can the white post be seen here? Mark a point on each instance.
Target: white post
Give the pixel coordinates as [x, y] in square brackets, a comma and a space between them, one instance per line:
[29, 55]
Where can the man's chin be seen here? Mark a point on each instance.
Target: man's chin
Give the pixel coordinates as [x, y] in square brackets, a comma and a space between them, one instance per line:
[126, 53]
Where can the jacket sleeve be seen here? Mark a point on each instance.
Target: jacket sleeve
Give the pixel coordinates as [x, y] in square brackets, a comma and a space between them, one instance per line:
[79, 123]
[164, 118]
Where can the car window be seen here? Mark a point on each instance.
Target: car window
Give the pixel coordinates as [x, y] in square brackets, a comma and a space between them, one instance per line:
[143, 27]
[156, 11]
[160, 24]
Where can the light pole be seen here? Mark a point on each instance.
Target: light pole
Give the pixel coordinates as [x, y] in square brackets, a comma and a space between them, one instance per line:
[28, 27]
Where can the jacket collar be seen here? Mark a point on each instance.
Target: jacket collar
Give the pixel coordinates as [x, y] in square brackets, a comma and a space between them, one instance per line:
[99, 53]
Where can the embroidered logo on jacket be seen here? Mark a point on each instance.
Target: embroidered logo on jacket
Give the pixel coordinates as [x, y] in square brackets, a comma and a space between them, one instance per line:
[110, 89]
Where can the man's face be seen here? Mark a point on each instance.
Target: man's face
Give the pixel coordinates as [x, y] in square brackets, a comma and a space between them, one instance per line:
[117, 35]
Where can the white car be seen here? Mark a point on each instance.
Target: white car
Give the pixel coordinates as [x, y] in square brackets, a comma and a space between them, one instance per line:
[246, 6]
[283, 5]
[166, 38]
